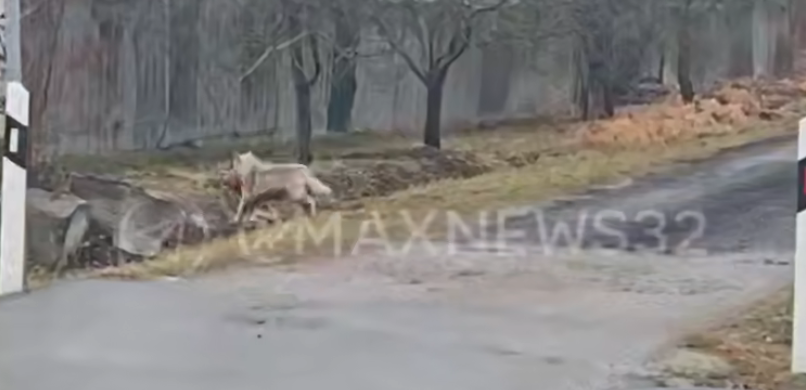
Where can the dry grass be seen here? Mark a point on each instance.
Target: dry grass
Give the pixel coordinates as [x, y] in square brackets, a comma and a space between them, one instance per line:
[505, 166]
[733, 104]
[340, 160]
[518, 137]
[183, 158]
[356, 165]
[549, 176]
[757, 343]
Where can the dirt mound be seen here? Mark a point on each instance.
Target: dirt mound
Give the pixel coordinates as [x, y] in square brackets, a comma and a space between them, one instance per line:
[376, 177]
[131, 222]
[728, 107]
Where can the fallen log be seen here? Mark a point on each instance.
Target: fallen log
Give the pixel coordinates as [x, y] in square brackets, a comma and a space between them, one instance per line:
[143, 222]
[95, 221]
[56, 229]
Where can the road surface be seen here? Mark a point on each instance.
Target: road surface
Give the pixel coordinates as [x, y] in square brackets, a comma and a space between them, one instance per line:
[530, 315]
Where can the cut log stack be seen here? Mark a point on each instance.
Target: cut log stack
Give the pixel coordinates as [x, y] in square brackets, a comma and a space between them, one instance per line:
[99, 221]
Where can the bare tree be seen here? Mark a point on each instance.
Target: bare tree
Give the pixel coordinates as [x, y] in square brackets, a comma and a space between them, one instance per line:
[344, 51]
[294, 27]
[300, 18]
[798, 23]
[784, 62]
[683, 14]
[430, 36]
[613, 38]
[43, 23]
[739, 18]
[684, 20]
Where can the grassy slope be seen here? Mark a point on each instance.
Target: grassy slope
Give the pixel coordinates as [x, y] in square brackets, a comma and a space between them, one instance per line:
[551, 175]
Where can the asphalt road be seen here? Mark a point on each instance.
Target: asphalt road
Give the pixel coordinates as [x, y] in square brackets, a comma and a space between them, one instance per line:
[743, 200]
[529, 316]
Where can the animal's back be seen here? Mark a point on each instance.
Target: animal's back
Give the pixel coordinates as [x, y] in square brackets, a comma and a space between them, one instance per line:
[249, 160]
[279, 178]
[295, 179]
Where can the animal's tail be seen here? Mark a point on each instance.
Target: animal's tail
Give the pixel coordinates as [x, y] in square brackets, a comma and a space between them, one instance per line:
[316, 186]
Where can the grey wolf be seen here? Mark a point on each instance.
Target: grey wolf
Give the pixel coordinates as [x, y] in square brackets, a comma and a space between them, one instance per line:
[257, 181]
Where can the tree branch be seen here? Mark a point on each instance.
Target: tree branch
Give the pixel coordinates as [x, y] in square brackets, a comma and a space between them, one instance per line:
[422, 35]
[457, 46]
[347, 54]
[317, 64]
[399, 50]
[269, 50]
[460, 41]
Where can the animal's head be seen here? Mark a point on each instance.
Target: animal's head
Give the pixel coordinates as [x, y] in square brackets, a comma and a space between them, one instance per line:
[239, 160]
[230, 172]
[231, 180]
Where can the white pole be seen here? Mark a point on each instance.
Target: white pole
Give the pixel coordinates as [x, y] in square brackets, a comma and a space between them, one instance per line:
[799, 309]
[14, 188]
[15, 156]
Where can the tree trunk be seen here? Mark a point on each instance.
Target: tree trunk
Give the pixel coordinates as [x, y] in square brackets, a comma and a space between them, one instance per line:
[497, 63]
[601, 96]
[302, 92]
[585, 100]
[304, 128]
[798, 23]
[608, 98]
[435, 83]
[582, 91]
[343, 83]
[342, 99]
[784, 59]
[661, 67]
[684, 59]
[595, 100]
[740, 22]
[39, 48]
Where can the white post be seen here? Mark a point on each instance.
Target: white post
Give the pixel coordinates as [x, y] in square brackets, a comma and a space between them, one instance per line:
[14, 188]
[15, 155]
[799, 309]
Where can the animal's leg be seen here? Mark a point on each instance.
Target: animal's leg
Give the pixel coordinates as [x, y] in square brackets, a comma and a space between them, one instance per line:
[307, 205]
[61, 265]
[267, 213]
[239, 211]
[247, 182]
[272, 214]
[300, 210]
[311, 206]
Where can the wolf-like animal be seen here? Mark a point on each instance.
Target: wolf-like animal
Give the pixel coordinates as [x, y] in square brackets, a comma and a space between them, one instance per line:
[258, 181]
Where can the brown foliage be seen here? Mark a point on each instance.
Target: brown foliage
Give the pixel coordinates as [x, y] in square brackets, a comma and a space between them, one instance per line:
[728, 107]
